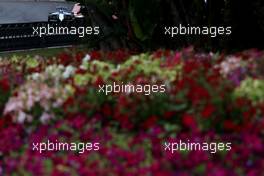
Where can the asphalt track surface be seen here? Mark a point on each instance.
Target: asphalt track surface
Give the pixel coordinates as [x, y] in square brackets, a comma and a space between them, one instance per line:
[28, 12]
[16, 18]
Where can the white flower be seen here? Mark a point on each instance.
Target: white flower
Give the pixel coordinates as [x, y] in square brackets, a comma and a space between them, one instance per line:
[13, 105]
[230, 64]
[21, 117]
[35, 76]
[86, 58]
[82, 67]
[70, 70]
[60, 66]
[45, 117]
[30, 102]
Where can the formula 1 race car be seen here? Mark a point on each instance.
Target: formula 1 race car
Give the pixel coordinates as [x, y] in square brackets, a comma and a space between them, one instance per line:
[16, 28]
[63, 14]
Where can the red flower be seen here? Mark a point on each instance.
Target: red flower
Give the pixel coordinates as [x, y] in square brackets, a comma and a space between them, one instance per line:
[107, 111]
[95, 55]
[124, 121]
[168, 114]
[208, 111]
[229, 125]
[188, 121]
[65, 59]
[80, 71]
[2, 123]
[68, 103]
[214, 78]
[197, 94]
[240, 102]
[99, 81]
[161, 53]
[120, 55]
[79, 56]
[191, 66]
[150, 122]
[4, 84]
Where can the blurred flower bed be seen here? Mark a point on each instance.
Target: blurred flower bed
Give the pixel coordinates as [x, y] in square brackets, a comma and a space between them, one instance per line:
[209, 98]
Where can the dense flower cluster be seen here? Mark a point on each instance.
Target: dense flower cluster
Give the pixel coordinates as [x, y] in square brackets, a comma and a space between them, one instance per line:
[251, 89]
[208, 98]
[32, 94]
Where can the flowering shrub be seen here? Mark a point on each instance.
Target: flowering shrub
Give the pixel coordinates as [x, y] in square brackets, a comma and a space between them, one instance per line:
[59, 100]
[251, 89]
[32, 96]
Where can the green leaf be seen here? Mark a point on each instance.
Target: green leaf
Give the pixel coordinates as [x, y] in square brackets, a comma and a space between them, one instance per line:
[139, 10]
[200, 169]
[48, 166]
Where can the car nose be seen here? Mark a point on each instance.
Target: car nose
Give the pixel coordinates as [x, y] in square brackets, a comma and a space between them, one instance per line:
[61, 16]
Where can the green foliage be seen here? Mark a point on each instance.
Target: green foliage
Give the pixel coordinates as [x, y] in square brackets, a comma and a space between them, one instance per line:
[139, 24]
[3, 98]
[142, 18]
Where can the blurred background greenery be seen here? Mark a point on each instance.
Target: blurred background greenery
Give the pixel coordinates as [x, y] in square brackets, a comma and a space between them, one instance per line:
[139, 25]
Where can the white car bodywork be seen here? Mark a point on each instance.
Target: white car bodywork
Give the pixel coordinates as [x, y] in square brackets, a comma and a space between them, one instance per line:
[62, 14]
